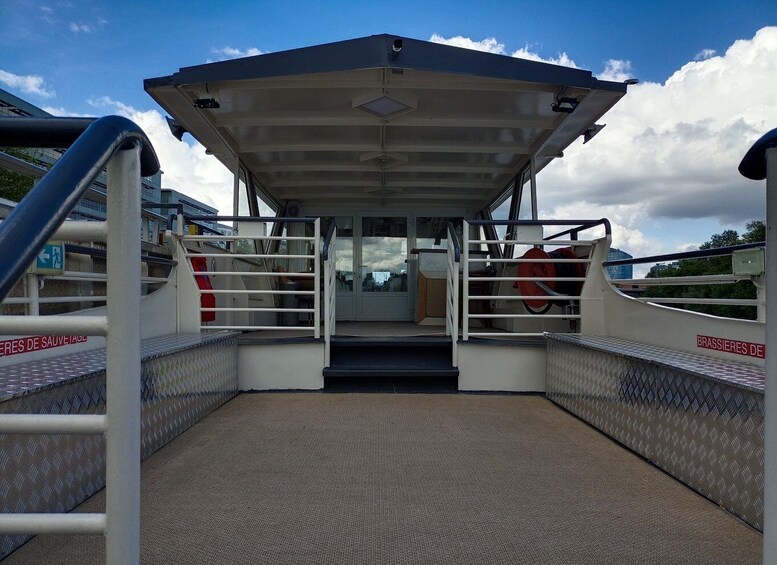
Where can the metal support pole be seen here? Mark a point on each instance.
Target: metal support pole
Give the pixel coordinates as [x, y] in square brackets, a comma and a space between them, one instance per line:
[317, 278]
[122, 504]
[770, 394]
[465, 281]
[534, 209]
[236, 192]
[33, 306]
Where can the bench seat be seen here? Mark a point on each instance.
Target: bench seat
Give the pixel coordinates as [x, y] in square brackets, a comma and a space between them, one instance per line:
[699, 418]
[183, 377]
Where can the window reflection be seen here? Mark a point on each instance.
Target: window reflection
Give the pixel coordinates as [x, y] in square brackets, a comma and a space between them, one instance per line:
[384, 254]
[344, 250]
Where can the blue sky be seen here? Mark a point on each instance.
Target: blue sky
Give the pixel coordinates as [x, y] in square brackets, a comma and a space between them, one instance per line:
[85, 49]
[79, 57]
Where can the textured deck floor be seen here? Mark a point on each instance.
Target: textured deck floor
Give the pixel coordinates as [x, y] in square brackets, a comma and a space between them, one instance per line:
[423, 478]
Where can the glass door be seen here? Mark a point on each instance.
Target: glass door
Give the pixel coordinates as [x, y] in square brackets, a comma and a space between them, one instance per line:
[381, 281]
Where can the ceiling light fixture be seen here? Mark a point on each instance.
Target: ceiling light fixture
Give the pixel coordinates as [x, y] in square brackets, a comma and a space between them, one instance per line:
[383, 105]
[206, 103]
[564, 104]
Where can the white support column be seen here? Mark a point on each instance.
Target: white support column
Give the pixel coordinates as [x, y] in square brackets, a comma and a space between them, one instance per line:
[33, 306]
[123, 361]
[455, 323]
[534, 208]
[770, 395]
[317, 278]
[465, 281]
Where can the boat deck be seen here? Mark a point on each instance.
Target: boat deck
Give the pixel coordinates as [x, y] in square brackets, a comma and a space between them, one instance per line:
[408, 478]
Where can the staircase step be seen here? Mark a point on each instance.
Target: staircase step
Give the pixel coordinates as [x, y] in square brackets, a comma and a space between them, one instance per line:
[389, 342]
[427, 356]
[372, 371]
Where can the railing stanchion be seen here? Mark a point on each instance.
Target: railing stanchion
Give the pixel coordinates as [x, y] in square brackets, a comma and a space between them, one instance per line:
[123, 361]
[317, 279]
[770, 394]
[33, 296]
[465, 281]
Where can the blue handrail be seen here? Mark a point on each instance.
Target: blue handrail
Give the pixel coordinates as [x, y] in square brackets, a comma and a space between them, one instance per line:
[582, 225]
[700, 254]
[35, 219]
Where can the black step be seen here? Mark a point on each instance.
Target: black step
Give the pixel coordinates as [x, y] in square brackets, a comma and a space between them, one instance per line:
[391, 357]
[370, 372]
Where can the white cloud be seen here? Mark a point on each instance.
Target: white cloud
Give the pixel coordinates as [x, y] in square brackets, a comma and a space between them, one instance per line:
[489, 44]
[526, 53]
[705, 54]
[186, 166]
[232, 53]
[690, 246]
[671, 150]
[47, 14]
[616, 70]
[80, 28]
[29, 84]
[64, 113]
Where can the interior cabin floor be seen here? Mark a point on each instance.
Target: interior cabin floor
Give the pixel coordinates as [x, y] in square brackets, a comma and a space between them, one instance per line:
[408, 478]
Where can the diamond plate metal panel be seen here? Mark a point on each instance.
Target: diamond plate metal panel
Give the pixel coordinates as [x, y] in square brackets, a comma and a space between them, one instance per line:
[707, 431]
[184, 378]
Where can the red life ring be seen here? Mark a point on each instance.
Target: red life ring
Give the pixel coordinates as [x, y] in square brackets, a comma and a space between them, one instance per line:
[548, 269]
[207, 299]
[544, 269]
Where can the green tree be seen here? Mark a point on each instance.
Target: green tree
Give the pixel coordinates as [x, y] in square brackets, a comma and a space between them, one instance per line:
[14, 186]
[755, 232]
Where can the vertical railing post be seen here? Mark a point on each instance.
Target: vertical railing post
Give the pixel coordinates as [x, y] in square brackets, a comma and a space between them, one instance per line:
[123, 360]
[465, 281]
[327, 306]
[317, 279]
[770, 393]
[452, 301]
[33, 295]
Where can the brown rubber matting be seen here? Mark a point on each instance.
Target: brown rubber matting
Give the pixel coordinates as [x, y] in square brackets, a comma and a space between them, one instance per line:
[417, 478]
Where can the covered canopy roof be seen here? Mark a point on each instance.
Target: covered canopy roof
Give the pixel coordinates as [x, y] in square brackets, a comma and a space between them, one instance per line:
[383, 117]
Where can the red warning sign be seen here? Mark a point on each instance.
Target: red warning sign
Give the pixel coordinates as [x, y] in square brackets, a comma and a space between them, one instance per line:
[36, 343]
[747, 348]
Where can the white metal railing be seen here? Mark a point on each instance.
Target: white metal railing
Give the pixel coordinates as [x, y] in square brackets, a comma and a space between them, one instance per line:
[502, 266]
[634, 286]
[330, 293]
[121, 325]
[34, 283]
[452, 294]
[225, 271]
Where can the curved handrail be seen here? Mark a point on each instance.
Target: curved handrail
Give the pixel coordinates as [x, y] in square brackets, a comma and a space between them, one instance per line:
[700, 254]
[753, 165]
[328, 241]
[456, 243]
[35, 219]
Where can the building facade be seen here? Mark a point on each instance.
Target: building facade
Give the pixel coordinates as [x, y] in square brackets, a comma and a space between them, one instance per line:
[619, 272]
[93, 204]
